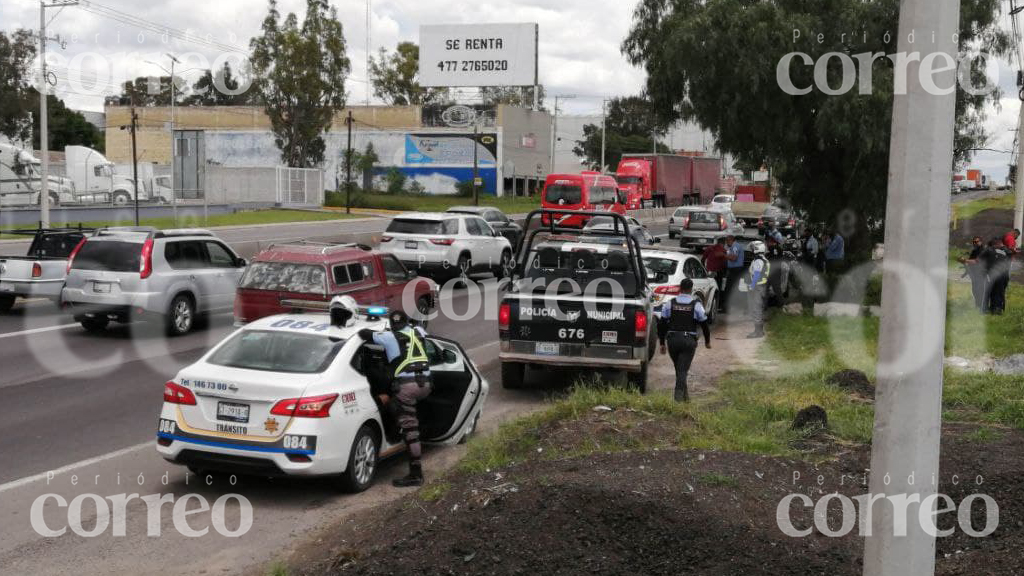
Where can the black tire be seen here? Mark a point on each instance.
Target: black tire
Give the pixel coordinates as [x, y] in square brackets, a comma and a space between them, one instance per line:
[7, 302]
[181, 316]
[504, 265]
[362, 461]
[512, 375]
[638, 380]
[712, 311]
[462, 268]
[54, 199]
[671, 235]
[121, 199]
[94, 325]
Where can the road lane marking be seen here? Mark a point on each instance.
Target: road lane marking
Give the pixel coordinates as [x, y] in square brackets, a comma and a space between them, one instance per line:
[36, 330]
[81, 464]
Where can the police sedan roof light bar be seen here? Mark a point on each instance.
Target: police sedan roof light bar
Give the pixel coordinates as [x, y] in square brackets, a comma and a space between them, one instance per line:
[367, 312]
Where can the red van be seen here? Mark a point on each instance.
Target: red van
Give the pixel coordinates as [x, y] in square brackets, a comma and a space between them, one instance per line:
[318, 272]
[589, 191]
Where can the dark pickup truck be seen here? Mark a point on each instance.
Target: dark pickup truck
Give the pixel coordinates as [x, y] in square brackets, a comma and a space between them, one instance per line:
[576, 302]
[41, 272]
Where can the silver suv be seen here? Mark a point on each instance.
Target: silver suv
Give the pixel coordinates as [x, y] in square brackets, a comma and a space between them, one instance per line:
[137, 273]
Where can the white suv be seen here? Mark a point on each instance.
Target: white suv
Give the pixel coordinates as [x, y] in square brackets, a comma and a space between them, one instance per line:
[445, 245]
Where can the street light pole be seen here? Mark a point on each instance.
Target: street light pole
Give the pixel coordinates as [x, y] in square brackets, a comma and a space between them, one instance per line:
[174, 195]
[44, 131]
[476, 172]
[908, 408]
[604, 125]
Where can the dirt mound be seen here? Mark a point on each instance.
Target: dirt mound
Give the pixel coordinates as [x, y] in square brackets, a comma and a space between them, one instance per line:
[853, 381]
[812, 416]
[989, 224]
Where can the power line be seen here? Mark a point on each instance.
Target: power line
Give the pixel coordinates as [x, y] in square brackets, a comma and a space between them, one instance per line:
[139, 22]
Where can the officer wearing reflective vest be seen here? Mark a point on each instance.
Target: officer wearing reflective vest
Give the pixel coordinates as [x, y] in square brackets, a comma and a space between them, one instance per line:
[680, 318]
[409, 367]
[760, 270]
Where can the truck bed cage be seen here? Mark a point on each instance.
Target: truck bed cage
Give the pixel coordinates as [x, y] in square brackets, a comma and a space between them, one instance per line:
[621, 228]
[50, 230]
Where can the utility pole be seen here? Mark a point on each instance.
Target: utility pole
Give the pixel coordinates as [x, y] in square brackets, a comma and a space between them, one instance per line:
[1018, 184]
[554, 130]
[135, 160]
[44, 130]
[604, 127]
[368, 52]
[908, 408]
[348, 166]
[174, 195]
[476, 172]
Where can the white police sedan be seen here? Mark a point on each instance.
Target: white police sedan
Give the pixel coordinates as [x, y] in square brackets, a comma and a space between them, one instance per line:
[294, 395]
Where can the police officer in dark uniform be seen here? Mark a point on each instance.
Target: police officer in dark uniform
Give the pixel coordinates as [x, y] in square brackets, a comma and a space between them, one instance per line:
[410, 368]
[680, 318]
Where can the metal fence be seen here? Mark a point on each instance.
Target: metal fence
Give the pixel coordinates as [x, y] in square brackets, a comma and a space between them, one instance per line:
[300, 186]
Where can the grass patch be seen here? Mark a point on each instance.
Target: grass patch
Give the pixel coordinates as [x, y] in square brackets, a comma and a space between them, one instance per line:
[277, 569]
[433, 203]
[243, 218]
[719, 480]
[434, 491]
[984, 435]
[971, 209]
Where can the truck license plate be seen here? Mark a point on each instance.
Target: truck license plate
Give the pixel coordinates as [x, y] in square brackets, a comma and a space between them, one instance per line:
[233, 412]
[609, 337]
[548, 348]
[101, 287]
[411, 244]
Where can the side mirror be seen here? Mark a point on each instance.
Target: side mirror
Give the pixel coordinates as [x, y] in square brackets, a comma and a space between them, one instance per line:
[657, 240]
[449, 357]
[240, 263]
[652, 276]
[411, 274]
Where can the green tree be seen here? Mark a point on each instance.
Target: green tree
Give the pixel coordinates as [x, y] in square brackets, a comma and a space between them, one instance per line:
[300, 76]
[521, 97]
[150, 91]
[394, 77]
[394, 180]
[66, 127]
[364, 163]
[630, 125]
[16, 53]
[714, 62]
[218, 89]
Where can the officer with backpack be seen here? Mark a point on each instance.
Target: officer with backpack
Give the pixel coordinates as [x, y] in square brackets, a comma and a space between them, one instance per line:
[410, 369]
[680, 318]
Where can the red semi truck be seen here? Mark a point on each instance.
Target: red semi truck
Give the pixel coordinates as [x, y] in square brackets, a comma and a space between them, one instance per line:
[667, 179]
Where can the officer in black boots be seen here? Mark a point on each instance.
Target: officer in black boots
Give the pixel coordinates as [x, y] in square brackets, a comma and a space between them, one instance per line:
[680, 318]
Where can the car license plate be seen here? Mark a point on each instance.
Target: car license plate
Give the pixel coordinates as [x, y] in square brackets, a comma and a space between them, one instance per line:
[609, 337]
[547, 348]
[233, 412]
[411, 244]
[703, 240]
[101, 287]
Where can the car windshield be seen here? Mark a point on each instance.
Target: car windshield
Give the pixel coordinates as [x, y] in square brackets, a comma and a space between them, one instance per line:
[602, 195]
[285, 277]
[417, 226]
[604, 222]
[274, 351]
[661, 266]
[109, 255]
[628, 179]
[563, 194]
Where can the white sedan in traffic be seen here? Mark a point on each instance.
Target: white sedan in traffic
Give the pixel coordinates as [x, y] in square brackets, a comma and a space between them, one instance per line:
[293, 395]
[667, 268]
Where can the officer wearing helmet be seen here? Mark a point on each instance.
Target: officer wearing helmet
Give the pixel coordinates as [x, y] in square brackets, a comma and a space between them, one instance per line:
[409, 367]
[760, 269]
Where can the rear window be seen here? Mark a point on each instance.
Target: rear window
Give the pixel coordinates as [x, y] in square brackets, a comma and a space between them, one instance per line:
[351, 273]
[285, 277]
[661, 266]
[271, 351]
[705, 217]
[55, 245]
[414, 226]
[563, 194]
[576, 269]
[602, 195]
[109, 255]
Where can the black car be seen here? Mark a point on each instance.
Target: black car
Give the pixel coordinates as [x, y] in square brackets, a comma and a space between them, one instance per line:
[787, 223]
[501, 223]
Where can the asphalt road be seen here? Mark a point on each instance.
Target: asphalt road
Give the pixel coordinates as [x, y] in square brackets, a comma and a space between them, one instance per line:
[84, 408]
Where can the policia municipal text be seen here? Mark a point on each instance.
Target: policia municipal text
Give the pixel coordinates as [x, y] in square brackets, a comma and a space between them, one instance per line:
[680, 318]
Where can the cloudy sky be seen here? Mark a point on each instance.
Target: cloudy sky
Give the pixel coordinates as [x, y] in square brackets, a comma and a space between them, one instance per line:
[579, 45]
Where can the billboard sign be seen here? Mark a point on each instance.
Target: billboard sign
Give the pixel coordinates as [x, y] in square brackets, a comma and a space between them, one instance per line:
[453, 55]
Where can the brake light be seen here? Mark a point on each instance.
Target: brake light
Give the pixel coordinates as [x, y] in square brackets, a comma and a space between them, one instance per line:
[178, 394]
[37, 270]
[308, 407]
[71, 257]
[668, 290]
[504, 316]
[442, 241]
[640, 324]
[721, 222]
[792, 221]
[760, 222]
[686, 221]
[385, 238]
[146, 260]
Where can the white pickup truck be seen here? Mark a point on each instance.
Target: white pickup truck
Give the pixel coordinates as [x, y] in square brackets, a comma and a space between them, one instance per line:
[41, 272]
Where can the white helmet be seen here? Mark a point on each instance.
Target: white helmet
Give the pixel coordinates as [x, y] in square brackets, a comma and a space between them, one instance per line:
[758, 248]
[343, 310]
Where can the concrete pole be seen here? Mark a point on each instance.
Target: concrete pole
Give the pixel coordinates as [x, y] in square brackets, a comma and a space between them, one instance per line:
[604, 122]
[1018, 185]
[44, 130]
[174, 199]
[554, 136]
[908, 408]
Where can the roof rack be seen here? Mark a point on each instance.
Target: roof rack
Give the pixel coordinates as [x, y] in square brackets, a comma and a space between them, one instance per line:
[176, 232]
[50, 230]
[324, 246]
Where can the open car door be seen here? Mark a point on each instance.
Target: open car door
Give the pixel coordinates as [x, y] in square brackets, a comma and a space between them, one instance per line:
[456, 400]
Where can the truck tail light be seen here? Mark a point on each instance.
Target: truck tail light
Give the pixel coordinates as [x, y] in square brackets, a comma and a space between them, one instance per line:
[146, 260]
[442, 241]
[721, 222]
[792, 221]
[37, 270]
[385, 238]
[307, 407]
[640, 324]
[71, 257]
[504, 316]
[178, 394]
[667, 290]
